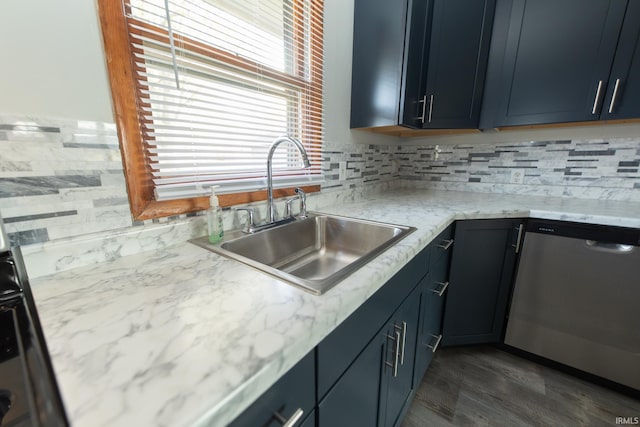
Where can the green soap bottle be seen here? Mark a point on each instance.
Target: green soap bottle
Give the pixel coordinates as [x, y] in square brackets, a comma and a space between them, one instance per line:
[214, 218]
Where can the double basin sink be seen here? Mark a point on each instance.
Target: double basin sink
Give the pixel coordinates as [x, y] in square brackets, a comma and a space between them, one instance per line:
[313, 253]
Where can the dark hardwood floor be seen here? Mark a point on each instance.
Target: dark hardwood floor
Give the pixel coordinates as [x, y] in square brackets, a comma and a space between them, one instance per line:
[485, 386]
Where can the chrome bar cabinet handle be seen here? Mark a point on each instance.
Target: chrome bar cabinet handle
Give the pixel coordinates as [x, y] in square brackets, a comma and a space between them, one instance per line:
[444, 285]
[615, 95]
[597, 100]
[292, 420]
[423, 101]
[520, 228]
[435, 346]
[402, 329]
[396, 356]
[447, 245]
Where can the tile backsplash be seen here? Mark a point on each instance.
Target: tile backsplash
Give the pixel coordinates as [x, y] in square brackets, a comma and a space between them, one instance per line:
[61, 179]
[593, 169]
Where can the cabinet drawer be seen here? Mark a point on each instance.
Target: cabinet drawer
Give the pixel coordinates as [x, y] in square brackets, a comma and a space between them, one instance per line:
[340, 348]
[295, 391]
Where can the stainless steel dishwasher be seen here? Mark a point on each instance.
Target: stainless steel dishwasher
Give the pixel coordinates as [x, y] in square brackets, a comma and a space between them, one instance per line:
[576, 299]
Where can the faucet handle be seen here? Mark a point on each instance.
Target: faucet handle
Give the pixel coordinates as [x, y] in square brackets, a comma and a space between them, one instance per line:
[287, 206]
[248, 226]
[303, 203]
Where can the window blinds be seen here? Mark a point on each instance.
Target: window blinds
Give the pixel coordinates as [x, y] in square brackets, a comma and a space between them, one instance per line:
[218, 81]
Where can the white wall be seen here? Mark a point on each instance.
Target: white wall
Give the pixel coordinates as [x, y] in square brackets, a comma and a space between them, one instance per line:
[52, 60]
[53, 64]
[338, 41]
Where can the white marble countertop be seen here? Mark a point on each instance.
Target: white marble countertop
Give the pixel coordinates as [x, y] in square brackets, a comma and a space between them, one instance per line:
[181, 336]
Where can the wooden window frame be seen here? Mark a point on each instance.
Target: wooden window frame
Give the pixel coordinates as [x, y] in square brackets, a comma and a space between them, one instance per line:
[126, 96]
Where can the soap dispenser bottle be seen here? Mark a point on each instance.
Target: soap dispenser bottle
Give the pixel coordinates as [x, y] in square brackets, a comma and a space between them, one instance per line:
[214, 218]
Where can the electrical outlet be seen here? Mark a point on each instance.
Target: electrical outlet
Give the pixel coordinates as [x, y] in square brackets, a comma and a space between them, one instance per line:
[517, 176]
[342, 171]
[436, 152]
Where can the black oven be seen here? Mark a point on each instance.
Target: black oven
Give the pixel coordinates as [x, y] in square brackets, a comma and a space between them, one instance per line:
[28, 391]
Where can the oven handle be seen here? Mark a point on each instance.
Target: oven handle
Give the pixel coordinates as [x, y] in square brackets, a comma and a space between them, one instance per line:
[9, 301]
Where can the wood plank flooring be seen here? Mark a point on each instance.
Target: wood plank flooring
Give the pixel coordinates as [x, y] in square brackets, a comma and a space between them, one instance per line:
[485, 386]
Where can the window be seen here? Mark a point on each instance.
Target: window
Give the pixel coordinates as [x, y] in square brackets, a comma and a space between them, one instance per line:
[202, 87]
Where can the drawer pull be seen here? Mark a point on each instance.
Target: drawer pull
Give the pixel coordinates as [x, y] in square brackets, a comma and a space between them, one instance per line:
[435, 346]
[444, 285]
[447, 244]
[291, 421]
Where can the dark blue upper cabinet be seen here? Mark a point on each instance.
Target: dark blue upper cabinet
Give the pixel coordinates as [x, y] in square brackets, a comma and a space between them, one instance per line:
[377, 69]
[419, 63]
[551, 60]
[623, 93]
[456, 64]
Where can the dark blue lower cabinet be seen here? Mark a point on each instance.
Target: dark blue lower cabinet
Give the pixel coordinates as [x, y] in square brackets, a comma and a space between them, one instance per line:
[481, 275]
[434, 290]
[310, 421]
[430, 330]
[376, 389]
[362, 374]
[398, 364]
[292, 397]
[355, 398]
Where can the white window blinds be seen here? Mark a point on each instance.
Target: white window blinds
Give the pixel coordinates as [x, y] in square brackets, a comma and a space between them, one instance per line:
[218, 81]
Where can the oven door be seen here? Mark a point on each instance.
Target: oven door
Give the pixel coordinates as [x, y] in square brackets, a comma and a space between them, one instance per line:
[28, 391]
[15, 407]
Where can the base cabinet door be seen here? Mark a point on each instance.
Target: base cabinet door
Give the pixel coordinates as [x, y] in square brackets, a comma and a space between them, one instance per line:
[397, 379]
[355, 398]
[310, 421]
[480, 279]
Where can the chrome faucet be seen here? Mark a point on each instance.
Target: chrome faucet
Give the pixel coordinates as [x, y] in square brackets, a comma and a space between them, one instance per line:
[271, 217]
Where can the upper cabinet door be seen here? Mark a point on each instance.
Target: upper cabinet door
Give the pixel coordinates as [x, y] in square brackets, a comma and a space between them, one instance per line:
[419, 63]
[556, 61]
[456, 64]
[378, 54]
[623, 94]
[415, 62]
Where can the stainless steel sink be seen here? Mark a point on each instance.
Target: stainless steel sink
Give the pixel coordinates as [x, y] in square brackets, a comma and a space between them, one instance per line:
[314, 253]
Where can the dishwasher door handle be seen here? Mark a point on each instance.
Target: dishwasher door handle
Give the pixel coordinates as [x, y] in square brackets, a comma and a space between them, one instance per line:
[615, 248]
